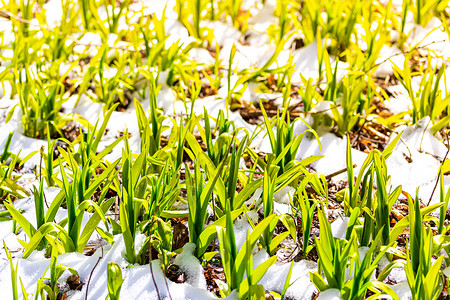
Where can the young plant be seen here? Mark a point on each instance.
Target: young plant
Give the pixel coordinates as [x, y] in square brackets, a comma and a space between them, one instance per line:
[341, 18]
[198, 197]
[385, 201]
[86, 162]
[15, 293]
[306, 208]
[165, 59]
[348, 94]
[74, 239]
[364, 268]
[130, 206]
[273, 183]
[24, 45]
[444, 199]
[427, 101]
[210, 169]
[86, 14]
[93, 21]
[39, 204]
[233, 173]
[115, 15]
[40, 101]
[375, 37]
[308, 93]
[284, 22]
[29, 229]
[423, 11]
[336, 19]
[238, 263]
[194, 88]
[109, 82]
[230, 72]
[114, 280]
[56, 270]
[162, 191]
[333, 256]
[253, 74]
[425, 278]
[284, 144]
[8, 180]
[175, 146]
[150, 135]
[159, 238]
[83, 181]
[359, 197]
[58, 37]
[311, 20]
[189, 14]
[47, 171]
[219, 150]
[270, 175]
[6, 154]
[337, 257]
[14, 271]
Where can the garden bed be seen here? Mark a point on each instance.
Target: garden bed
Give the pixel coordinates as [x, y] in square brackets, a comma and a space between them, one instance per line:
[229, 149]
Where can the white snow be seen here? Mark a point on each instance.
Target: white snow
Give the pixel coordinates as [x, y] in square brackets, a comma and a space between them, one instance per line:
[275, 277]
[339, 227]
[241, 227]
[21, 144]
[306, 62]
[92, 269]
[334, 149]
[402, 290]
[388, 55]
[223, 33]
[330, 294]
[397, 275]
[433, 37]
[264, 17]
[191, 266]
[424, 150]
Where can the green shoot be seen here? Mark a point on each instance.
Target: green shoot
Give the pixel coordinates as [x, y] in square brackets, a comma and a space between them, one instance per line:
[114, 280]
